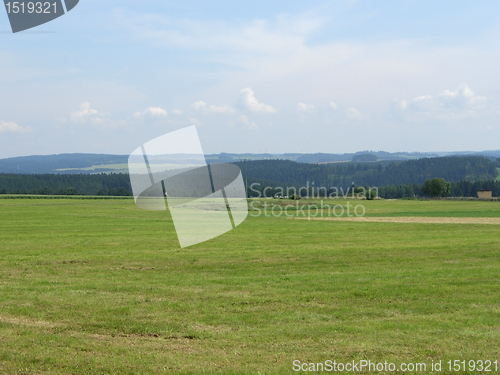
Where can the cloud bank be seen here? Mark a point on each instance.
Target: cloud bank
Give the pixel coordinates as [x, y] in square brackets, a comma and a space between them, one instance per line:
[12, 127]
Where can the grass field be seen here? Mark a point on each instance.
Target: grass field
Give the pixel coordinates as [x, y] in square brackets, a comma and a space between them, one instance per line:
[102, 287]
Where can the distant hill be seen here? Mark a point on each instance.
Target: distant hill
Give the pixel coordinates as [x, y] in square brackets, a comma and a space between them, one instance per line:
[62, 164]
[104, 163]
[275, 173]
[452, 168]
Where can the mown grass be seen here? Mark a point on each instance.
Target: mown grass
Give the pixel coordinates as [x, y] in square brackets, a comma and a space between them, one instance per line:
[101, 287]
[388, 208]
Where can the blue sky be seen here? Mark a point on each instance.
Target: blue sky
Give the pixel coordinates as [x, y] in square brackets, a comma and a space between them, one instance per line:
[261, 76]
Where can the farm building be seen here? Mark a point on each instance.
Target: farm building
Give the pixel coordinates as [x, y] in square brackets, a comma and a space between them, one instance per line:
[484, 194]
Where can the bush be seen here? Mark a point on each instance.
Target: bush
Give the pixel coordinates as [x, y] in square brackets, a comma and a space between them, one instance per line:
[436, 187]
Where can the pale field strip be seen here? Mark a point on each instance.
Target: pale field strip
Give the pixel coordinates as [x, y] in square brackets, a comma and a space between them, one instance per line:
[28, 322]
[412, 220]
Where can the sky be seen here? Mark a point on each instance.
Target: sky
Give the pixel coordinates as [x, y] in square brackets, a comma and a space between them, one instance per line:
[260, 76]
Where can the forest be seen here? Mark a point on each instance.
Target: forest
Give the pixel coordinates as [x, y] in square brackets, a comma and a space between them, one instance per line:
[66, 184]
[288, 173]
[394, 179]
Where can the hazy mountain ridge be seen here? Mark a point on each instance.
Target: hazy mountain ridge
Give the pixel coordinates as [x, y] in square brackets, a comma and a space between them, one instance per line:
[106, 163]
[464, 171]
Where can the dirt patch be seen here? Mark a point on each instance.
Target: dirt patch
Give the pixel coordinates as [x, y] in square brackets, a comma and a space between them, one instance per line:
[28, 322]
[413, 220]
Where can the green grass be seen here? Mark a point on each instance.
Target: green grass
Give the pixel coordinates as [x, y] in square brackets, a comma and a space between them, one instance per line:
[102, 287]
[396, 207]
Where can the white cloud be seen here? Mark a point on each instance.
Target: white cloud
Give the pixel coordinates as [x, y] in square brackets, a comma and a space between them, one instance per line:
[177, 111]
[462, 95]
[194, 121]
[84, 112]
[353, 114]
[153, 112]
[12, 127]
[419, 103]
[251, 102]
[199, 105]
[156, 111]
[448, 105]
[89, 115]
[422, 98]
[247, 124]
[303, 107]
[221, 109]
[333, 105]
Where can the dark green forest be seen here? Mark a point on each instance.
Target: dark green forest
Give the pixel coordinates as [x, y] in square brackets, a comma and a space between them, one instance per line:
[458, 189]
[397, 179]
[288, 173]
[65, 184]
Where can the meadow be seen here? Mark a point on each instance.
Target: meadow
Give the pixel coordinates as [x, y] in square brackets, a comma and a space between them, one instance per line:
[102, 287]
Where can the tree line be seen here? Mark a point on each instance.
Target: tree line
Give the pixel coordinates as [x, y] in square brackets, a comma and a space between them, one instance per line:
[393, 179]
[385, 173]
[55, 184]
[457, 189]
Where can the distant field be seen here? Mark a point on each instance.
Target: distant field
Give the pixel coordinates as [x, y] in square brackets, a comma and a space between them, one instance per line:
[102, 287]
[123, 167]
